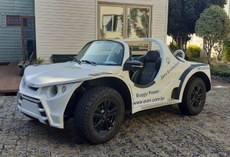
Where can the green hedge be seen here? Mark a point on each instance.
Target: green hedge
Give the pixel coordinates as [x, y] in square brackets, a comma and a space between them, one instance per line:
[200, 60]
[220, 70]
[193, 51]
[220, 73]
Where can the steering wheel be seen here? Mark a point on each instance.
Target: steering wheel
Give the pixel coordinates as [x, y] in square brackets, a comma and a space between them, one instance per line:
[179, 53]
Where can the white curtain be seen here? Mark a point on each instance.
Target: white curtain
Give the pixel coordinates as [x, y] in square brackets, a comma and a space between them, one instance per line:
[106, 20]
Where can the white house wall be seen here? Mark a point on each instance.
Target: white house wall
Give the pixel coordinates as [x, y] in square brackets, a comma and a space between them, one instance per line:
[65, 26]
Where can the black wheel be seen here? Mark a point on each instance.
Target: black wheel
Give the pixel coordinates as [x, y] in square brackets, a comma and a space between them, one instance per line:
[194, 97]
[99, 115]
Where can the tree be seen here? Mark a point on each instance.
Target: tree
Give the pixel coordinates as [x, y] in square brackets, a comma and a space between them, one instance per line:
[182, 17]
[221, 3]
[226, 54]
[219, 47]
[213, 26]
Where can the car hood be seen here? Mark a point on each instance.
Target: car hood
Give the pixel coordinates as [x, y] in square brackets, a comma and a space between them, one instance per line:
[61, 73]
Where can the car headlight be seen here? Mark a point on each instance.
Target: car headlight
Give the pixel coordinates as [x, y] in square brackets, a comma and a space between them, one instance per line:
[52, 91]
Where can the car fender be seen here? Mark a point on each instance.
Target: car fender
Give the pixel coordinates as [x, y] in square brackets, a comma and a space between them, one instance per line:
[188, 74]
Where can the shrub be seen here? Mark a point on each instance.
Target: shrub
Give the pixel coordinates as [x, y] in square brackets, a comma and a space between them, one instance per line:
[200, 60]
[38, 61]
[221, 70]
[226, 52]
[193, 51]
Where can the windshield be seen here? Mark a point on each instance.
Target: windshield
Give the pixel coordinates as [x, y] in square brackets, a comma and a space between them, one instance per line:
[102, 53]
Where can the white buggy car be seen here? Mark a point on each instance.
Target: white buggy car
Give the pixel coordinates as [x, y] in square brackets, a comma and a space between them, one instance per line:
[104, 82]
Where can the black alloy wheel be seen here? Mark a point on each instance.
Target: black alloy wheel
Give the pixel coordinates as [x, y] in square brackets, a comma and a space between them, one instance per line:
[105, 116]
[194, 97]
[99, 115]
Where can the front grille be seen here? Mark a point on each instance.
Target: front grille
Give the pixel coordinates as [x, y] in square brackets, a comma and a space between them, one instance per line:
[41, 109]
[34, 100]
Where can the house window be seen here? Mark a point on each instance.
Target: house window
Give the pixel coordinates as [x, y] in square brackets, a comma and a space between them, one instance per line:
[13, 20]
[124, 21]
[112, 23]
[138, 22]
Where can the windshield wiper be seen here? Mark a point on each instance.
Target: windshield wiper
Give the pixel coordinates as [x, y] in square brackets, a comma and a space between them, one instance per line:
[76, 60]
[88, 62]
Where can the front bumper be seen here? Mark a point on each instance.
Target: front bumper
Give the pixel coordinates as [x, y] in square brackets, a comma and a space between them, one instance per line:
[32, 107]
[35, 103]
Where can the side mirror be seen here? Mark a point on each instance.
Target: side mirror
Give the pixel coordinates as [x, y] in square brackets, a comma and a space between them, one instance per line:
[133, 65]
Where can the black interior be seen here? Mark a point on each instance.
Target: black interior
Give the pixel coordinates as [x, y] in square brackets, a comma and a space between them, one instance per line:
[147, 74]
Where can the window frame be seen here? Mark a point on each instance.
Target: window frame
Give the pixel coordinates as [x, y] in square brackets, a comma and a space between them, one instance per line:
[20, 23]
[125, 16]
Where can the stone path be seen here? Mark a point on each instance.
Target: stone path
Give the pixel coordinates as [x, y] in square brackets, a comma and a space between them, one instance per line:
[159, 132]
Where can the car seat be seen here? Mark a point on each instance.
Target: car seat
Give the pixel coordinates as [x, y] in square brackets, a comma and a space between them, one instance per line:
[151, 65]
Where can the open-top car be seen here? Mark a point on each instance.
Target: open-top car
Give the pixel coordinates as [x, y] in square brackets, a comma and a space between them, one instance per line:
[109, 78]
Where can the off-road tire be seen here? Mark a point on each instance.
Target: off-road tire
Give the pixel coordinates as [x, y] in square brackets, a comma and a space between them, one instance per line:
[194, 97]
[86, 122]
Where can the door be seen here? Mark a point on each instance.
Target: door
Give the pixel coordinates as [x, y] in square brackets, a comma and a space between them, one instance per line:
[152, 85]
[28, 37]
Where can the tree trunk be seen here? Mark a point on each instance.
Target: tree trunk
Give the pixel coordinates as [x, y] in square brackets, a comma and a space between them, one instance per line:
[209, 45]
[181, 42]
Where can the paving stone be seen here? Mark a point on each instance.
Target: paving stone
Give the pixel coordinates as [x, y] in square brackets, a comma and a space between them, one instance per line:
[158, 132]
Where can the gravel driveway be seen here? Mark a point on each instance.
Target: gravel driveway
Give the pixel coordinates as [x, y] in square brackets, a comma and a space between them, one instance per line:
[159, 132]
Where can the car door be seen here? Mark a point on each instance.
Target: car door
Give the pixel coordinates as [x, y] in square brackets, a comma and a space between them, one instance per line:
[159, 91]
